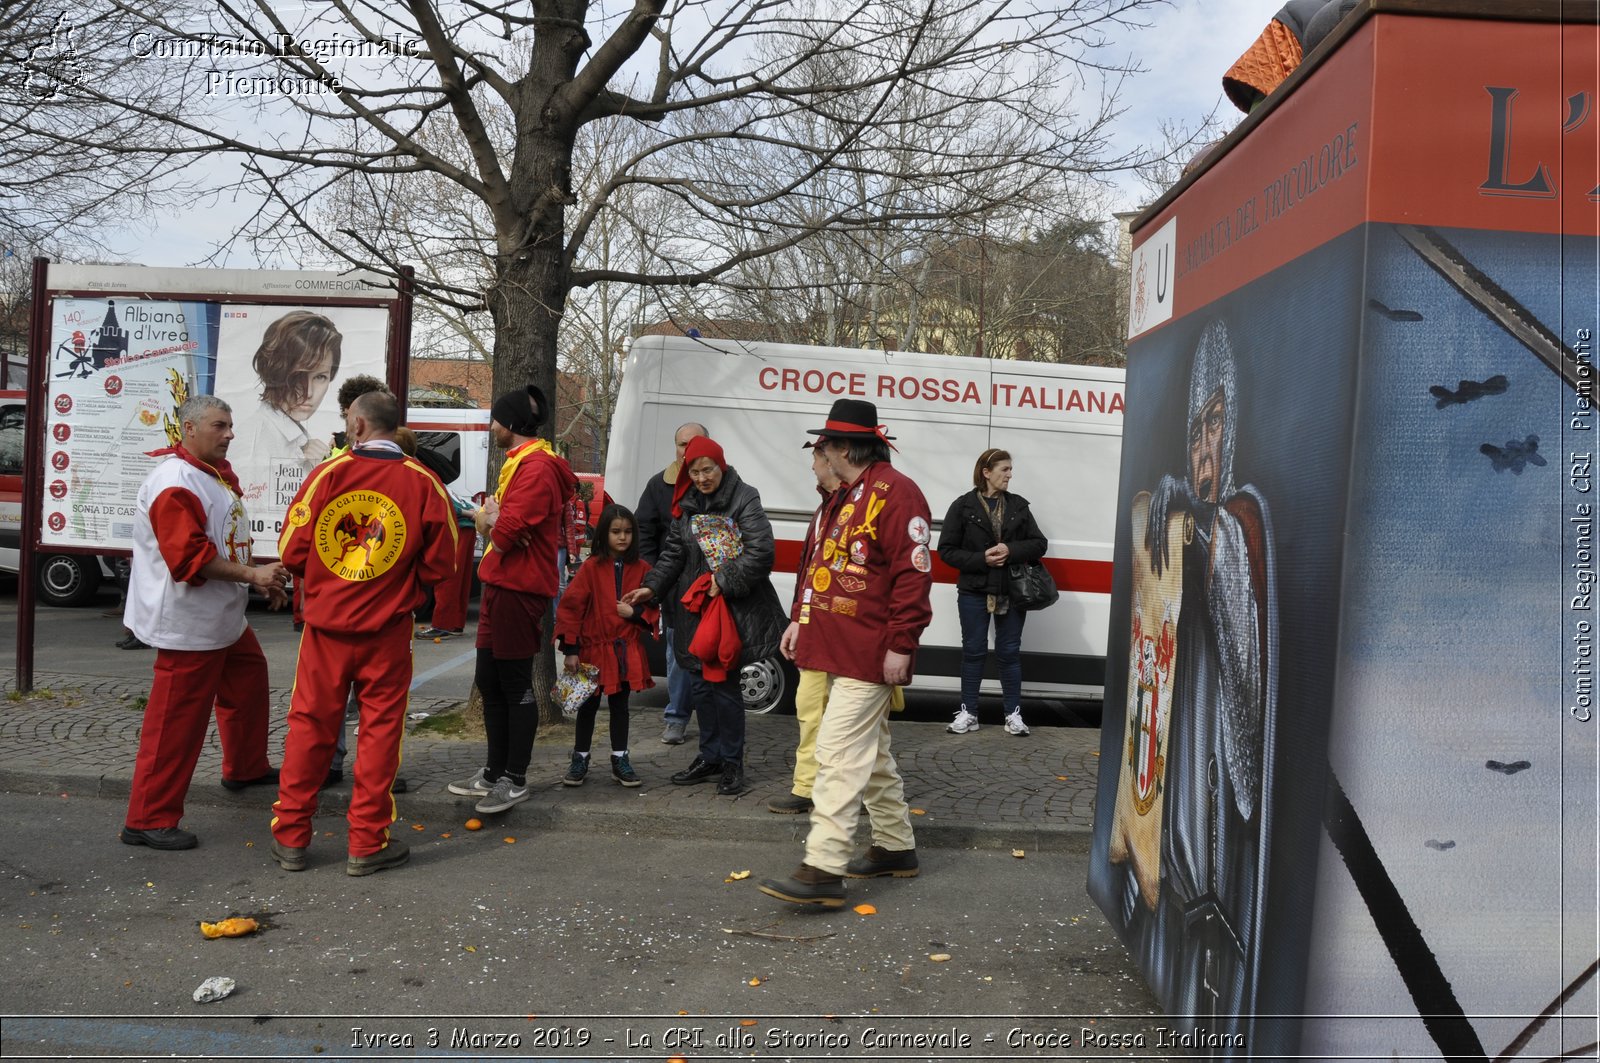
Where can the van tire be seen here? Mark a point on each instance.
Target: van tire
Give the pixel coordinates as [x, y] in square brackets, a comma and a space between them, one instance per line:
[768, 686]
[68, 579]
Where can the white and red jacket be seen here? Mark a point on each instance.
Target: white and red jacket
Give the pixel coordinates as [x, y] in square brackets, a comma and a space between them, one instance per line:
[188, 514]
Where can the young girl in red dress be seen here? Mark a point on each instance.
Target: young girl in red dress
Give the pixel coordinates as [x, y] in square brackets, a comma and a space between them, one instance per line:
[595, 627]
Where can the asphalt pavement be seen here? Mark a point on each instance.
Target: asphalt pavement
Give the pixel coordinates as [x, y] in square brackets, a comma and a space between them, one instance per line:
[593, 903]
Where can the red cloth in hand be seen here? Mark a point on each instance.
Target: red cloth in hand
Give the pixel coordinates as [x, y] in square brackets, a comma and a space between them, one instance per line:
[716, 641]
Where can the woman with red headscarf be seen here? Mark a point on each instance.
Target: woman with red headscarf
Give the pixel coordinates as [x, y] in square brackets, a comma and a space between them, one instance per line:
[719, 545]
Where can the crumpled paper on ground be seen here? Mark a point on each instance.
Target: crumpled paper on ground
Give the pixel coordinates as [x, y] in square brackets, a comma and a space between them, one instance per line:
[213, 989]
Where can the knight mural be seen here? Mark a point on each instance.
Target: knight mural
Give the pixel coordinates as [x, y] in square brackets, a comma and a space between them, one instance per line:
[1188, 835]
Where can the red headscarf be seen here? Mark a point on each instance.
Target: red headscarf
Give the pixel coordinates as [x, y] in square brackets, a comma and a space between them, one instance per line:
[699, 447]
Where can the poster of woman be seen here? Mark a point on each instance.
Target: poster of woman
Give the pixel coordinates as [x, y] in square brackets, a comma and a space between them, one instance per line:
[280, 367]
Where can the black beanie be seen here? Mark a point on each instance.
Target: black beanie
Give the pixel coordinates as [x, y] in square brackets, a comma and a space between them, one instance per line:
[521, 411]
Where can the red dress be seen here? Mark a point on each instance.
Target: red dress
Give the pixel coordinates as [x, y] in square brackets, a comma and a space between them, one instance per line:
[587, 618]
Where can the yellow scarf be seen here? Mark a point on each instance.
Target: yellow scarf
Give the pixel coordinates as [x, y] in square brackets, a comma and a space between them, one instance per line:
[514, 458]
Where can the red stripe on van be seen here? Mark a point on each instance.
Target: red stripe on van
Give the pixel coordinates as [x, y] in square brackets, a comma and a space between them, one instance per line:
[1070, 574]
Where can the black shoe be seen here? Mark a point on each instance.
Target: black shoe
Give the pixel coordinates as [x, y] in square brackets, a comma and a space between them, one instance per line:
[699, 771]
[789, 805]
[132, 643]
[807, 886]
[160, 838]
[877, 862]
[392, 855]
[335, 777]
[399, 786]
[236, 785]
[732, 781]
[289, 857]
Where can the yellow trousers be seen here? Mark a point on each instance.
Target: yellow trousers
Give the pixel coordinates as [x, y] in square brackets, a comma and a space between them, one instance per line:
[810, 698]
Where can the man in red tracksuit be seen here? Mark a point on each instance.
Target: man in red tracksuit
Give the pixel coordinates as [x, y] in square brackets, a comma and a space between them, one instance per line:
[519, 574]
[367, 532]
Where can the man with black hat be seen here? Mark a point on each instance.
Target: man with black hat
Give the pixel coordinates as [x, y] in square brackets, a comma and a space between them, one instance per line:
[861, 610]
[522, 524]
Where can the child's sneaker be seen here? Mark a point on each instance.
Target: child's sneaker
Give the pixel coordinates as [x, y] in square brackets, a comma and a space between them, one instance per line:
[964, 722]
[576, 770]
[1014, 724]
[622, 771]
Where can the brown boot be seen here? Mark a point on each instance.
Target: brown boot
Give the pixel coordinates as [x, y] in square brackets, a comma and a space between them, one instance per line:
[877, 862]
[808, 885]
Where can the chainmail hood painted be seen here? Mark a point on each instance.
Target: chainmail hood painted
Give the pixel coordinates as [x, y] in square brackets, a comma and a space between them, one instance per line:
[1213, 369]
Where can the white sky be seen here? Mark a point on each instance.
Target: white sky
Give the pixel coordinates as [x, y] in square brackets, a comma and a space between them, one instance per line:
[1185, 49]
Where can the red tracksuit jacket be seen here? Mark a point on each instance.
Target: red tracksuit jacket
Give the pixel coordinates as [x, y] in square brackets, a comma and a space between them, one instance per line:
[367, 532]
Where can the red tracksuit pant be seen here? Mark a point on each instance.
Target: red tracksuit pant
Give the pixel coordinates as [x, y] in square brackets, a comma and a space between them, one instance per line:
[451, 597]
[187, 684]
[379, 667]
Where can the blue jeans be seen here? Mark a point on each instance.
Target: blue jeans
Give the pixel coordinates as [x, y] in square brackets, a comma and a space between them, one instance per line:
[975, 616]
[679, 696]
[721, 711]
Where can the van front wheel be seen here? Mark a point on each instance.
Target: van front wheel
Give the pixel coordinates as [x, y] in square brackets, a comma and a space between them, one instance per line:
[68, 579]
[768, 686]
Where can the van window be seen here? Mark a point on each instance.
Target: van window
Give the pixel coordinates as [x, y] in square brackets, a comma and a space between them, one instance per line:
[12, 417]
[446, 447]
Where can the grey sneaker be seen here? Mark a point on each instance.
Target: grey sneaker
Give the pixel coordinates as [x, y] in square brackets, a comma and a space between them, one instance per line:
[673, 735]
[473, 787]
[503, 795]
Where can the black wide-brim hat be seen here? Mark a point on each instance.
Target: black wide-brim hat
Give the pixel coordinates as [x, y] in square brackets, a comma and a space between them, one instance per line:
[851, 419]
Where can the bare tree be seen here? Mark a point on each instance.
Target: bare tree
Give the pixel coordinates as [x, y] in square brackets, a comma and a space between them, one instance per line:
[758, 114]
[62, 180]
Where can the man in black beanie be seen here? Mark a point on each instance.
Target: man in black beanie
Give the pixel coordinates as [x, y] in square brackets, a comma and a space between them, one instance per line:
[522, 524]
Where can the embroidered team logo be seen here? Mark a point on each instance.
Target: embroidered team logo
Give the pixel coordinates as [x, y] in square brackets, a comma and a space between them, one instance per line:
[299, 515]
[821, 579]
[237, 539]
[917, 529]
[920, 559]
[360, 535]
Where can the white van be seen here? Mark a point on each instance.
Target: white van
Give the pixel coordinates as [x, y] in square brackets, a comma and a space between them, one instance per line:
[1061, 423]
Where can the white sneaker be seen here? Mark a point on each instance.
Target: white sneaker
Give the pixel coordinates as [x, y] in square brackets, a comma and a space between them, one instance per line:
[503, 795]
[964, 722]
[1014, 724]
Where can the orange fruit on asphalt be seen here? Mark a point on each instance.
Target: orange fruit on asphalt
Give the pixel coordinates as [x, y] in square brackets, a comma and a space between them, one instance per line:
[474, 824]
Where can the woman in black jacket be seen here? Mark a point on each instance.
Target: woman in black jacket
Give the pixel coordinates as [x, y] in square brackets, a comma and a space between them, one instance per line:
[987, 529]
[718, 527]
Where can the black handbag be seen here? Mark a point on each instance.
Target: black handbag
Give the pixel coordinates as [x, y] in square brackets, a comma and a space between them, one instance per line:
[1031, 586]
